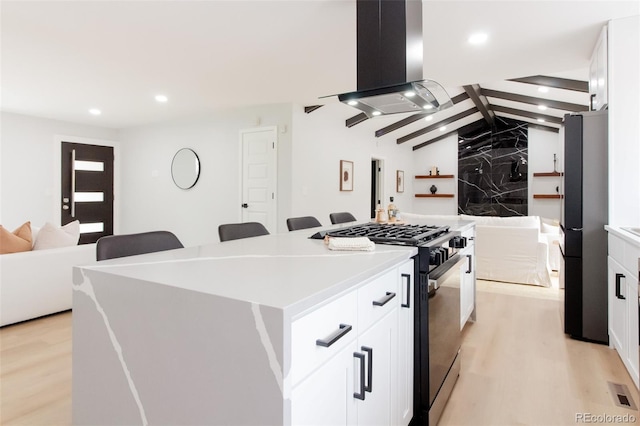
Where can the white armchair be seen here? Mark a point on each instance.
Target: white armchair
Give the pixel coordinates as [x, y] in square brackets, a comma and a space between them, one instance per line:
[511, 249]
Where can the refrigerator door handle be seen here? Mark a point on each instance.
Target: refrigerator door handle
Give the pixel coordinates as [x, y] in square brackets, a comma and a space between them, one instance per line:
[575, 229]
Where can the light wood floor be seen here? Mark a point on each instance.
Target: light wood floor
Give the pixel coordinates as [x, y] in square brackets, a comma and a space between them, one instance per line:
[518, 368]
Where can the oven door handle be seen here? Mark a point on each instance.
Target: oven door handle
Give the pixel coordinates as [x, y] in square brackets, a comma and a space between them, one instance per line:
[444, 270]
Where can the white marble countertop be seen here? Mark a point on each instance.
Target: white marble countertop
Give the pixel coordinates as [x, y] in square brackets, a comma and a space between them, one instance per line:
[624, 234]
[287, 271]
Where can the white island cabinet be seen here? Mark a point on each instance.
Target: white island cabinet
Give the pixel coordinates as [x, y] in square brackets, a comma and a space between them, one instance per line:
[623, 266]
[468, 278]
[273, 330]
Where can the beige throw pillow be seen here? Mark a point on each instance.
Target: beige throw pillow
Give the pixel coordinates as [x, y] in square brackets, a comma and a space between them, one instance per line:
[51, 236]
[16, 241]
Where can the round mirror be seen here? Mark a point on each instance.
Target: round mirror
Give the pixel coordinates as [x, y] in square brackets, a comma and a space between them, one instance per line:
[185, 168]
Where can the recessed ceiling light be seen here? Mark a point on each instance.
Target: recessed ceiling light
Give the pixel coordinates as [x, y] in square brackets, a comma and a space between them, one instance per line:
[161, 98]
[95, 111]
[541, 120]
[478, 38]
[352, 103]
[409, 94]
[542, 107]
[428, 106]
[443, 128]
[376, 113]
[428, 118]
[543, 89]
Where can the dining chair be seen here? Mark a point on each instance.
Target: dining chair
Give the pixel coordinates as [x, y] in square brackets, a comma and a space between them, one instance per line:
[113, 246]
[236, 231]
[341, 217]
[304, 222]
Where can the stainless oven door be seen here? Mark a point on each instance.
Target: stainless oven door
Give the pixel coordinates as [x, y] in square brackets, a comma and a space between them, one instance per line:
[444, 325]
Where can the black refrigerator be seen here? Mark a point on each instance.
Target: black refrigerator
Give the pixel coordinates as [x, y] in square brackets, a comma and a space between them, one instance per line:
[584, 215]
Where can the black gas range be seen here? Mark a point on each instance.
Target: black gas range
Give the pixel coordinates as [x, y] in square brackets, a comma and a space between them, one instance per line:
[437, 338]
[436, 244]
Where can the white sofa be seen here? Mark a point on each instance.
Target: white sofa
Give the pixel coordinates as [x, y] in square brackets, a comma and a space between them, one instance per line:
[509, 249]
[38, 282]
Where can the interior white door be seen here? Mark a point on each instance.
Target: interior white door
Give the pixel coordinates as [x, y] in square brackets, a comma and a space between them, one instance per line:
[259, 176]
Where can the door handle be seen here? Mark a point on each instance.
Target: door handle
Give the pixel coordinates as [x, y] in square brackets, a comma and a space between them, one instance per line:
[360, 395]
[470, 269]
[73, 183]
[408, 281]
[369, 386]
[385, 299]
[618, 279]
[245, 205]
[342, 330]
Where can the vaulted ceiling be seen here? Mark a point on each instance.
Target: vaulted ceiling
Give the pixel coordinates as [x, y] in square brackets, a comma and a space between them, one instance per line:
[541, 101]
[61, 58]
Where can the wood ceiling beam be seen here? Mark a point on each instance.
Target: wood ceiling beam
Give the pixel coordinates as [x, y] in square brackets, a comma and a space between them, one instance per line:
[480, 102]
[415, 117]
[477, 125]
[434, 140]
[471, 127]
[555, 82]
[528, 114]
[543, 127]
[437, 125]
[566, 106]
[356, 119]
[459, 98]
[310, 109]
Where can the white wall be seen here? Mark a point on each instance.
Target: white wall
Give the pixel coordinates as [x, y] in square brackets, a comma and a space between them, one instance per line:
[28, 168]
[151, 201]
[309, 153]
[320, 141]
[624, 122]
[444, 155]
[542, 146]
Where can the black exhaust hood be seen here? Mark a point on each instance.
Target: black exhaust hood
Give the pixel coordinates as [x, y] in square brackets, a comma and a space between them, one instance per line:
[389, 62]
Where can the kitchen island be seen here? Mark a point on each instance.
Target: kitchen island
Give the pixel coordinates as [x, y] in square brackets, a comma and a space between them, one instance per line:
[268, 330]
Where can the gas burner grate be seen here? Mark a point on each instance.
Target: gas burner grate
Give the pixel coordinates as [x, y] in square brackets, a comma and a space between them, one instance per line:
[392, 234]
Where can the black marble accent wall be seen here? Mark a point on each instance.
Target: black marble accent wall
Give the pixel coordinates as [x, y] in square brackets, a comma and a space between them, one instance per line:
[492, 169]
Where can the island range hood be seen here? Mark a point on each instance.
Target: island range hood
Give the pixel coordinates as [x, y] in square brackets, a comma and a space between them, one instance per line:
[389, 61]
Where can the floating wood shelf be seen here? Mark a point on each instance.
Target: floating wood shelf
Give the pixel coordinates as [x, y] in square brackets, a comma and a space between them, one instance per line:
[435, 195]
[548, 196]
[435, 177]
[548, 174]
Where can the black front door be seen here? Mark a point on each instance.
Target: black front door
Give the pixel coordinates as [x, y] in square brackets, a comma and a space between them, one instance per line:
[87, 189]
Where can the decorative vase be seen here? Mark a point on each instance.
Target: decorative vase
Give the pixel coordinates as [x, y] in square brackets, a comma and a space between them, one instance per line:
[433, 189]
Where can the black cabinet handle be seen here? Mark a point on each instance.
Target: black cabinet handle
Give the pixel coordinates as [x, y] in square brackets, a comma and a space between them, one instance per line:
[344, 329]
[360, 395]
[618, 294]
[408, 282]
[384, 300]
[470, 269]
[369, 386]
[245, 205]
